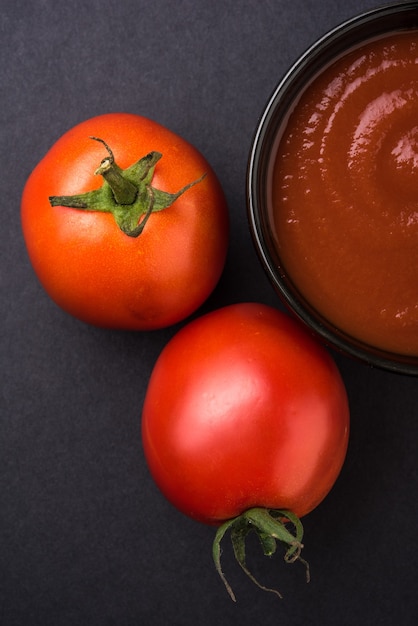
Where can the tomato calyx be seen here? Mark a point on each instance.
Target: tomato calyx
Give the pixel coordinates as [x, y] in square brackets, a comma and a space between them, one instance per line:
[270, 527]
[126, 193]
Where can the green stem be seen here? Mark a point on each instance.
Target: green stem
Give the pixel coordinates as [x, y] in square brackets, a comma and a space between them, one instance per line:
[123, 191]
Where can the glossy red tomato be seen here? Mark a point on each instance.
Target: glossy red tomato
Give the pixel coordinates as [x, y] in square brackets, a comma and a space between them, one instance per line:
[244, 409]
[93, 263]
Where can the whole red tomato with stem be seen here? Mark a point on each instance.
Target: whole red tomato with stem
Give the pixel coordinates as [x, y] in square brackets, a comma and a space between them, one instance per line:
[245, 425]
[125, 223]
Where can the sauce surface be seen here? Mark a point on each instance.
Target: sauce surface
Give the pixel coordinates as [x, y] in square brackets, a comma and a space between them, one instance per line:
[345, 193]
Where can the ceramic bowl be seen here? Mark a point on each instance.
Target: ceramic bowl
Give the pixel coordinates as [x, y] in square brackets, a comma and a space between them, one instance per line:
[351, 33]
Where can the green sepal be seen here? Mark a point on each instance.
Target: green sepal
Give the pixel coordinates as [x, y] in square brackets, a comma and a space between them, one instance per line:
[127, 194]
[270, 525]
[217, 552]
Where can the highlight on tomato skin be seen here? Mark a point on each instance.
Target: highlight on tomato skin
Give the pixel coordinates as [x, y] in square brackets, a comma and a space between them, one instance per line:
[125, 223]
[245, 426]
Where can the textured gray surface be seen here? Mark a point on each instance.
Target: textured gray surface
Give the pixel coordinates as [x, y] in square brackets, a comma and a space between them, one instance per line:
[85, 537]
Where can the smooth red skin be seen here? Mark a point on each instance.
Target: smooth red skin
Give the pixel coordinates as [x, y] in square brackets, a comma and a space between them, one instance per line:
[93, 270]
[244, 409]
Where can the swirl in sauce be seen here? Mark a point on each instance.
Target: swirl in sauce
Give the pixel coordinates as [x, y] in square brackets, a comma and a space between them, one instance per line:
[345, 193]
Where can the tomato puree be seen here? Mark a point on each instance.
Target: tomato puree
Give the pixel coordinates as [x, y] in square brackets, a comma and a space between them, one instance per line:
[345, 193]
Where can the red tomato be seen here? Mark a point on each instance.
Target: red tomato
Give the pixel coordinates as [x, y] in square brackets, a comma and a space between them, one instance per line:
[244, 409]
[97, 272]
[245, 425]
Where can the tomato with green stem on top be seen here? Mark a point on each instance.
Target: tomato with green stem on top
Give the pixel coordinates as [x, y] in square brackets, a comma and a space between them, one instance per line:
[125, 223]
[245, 425]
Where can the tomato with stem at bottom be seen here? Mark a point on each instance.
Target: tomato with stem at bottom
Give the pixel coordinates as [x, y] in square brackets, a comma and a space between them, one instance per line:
[245, 426]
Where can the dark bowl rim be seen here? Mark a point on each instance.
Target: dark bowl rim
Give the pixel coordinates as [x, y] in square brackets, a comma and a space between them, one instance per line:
[256, 169]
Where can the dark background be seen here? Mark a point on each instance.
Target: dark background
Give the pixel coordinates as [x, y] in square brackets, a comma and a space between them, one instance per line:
[85, 537]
